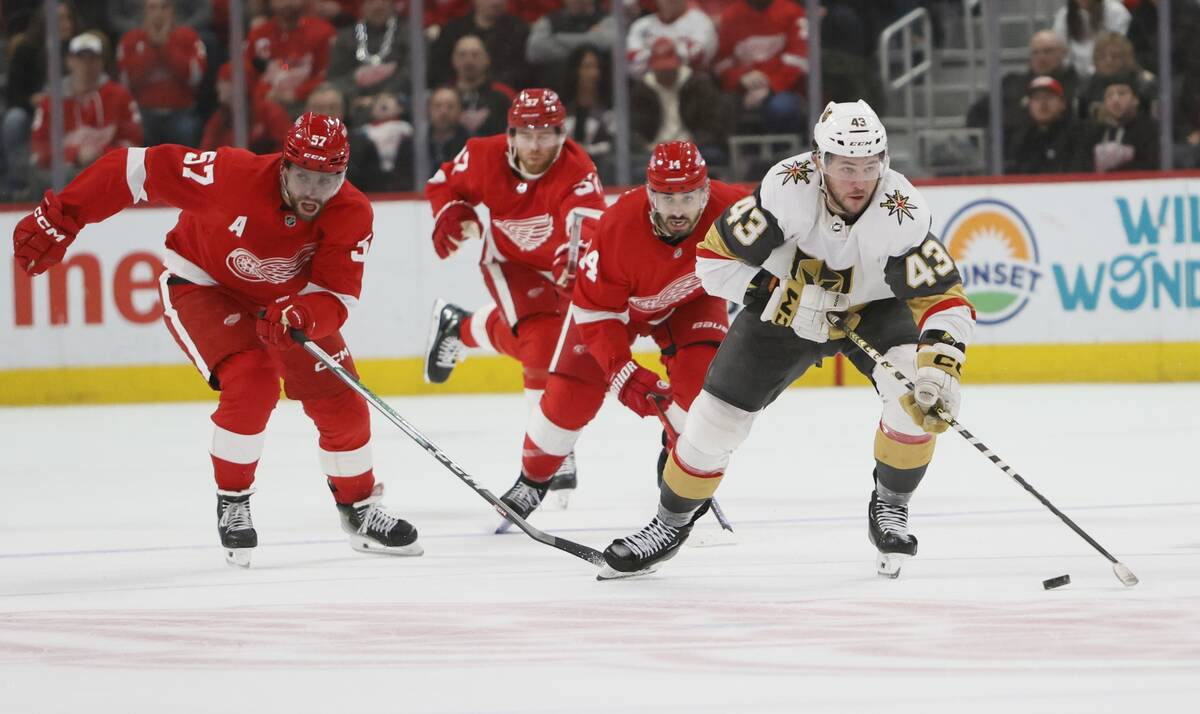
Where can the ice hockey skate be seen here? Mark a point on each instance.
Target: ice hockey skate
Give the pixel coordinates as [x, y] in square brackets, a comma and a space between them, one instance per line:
[563, 483]
[374, 530]
[887, 528]
[642, 552]
[236, 527]
[444, 349]
[523, 498]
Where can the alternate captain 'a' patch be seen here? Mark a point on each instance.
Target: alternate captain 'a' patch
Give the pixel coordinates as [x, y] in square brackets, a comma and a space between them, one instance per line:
[796, 172]
[898, 206]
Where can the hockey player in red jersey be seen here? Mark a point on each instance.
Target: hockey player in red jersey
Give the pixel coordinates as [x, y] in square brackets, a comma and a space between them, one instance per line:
[263, 244]
[636, 278]
[536, 185]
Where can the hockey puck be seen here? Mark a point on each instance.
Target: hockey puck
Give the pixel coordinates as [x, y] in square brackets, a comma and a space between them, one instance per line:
[1056, 582]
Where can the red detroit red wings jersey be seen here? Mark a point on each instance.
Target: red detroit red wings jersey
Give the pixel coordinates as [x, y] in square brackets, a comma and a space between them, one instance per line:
[529, 218]
[630, 274]
[234, 229]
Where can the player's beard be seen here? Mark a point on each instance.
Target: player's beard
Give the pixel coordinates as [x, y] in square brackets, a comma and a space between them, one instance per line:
[306, 209]
[675, 227]
[852, 202]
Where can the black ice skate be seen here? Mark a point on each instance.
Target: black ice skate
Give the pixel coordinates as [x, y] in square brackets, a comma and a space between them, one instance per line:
[524, 497]
[236, 527]
[374, 530]
[445, 348]
[564, 481]
[887, 527]
[642, 552]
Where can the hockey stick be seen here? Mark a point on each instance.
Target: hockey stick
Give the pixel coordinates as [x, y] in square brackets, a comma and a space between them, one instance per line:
[1123, 573]
[579, 551]
[674, 437]
[575, 221]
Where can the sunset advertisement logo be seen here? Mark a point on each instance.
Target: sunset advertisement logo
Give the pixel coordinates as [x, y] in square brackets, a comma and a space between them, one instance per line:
[997, 257]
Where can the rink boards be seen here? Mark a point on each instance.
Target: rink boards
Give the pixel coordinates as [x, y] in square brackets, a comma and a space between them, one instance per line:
[1074, 280]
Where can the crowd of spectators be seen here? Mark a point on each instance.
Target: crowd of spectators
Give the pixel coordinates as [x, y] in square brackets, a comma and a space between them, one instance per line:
[159, 71]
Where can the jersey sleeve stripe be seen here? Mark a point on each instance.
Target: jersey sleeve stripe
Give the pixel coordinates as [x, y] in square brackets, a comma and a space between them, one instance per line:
[135, 172]
[926, 306]
[583, 316]
[713, 246]
[348, 300]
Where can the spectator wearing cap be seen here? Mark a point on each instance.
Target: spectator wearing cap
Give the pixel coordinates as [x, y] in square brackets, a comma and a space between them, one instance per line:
[763, 60]
[289, 53]
[1079, 22]
[504, 36]
[162, 64]
[1121, 138]
[447, 136]
[484, 101]
[1113, 57]
[554, 37]
[1045, 143]
[370, 58]
[268, 122]
[671, 102]
[98, 114]
[693, 32]
[1047, 57]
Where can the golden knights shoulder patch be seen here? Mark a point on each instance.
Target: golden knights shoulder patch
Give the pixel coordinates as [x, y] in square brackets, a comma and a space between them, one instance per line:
[898, 206]
[796, 172]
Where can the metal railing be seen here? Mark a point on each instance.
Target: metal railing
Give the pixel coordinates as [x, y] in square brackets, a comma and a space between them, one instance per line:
[911, 42]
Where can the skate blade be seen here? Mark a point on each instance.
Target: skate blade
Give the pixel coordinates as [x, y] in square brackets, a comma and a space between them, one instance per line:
[238, 557]
[558, 500]
[364, 545]
[435, 323]
[504, 526]
[607, 573]
[888, 565]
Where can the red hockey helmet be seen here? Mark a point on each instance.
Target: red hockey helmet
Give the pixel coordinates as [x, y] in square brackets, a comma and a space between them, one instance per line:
[536, 109]
[676, 167]
[318, 143]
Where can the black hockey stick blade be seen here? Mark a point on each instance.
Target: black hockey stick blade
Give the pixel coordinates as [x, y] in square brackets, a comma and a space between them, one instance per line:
[578, 550]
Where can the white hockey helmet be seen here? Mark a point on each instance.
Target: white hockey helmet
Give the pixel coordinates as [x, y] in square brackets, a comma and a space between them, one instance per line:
[850, 129]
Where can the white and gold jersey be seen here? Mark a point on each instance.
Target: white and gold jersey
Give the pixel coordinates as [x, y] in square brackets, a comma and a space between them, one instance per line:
[786, 228]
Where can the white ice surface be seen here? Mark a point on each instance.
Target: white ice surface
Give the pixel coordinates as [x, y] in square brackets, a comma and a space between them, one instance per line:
[114, 596]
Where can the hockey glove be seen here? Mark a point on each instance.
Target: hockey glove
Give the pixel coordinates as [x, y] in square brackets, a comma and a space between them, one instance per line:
[803, 308]
[939, 369]
[635, 386]
[286, 313]
[455, 223]
[40, 239]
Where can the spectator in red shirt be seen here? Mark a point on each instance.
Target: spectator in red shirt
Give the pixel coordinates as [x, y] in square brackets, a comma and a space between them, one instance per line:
[763, 58]
[162, 64]
[289, 54]
[98, 114]
[268, 122]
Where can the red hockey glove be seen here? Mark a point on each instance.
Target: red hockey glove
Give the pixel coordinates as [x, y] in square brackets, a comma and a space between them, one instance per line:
[635, 385]
[563, 270]
[455, 223]
[286, 313]
[40, 239]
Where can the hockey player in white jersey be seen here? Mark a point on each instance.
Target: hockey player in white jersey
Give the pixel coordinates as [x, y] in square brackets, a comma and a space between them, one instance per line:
[833, 230]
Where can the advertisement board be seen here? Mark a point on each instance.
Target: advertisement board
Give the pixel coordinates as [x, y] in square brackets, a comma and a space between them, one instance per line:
[1071, 280]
